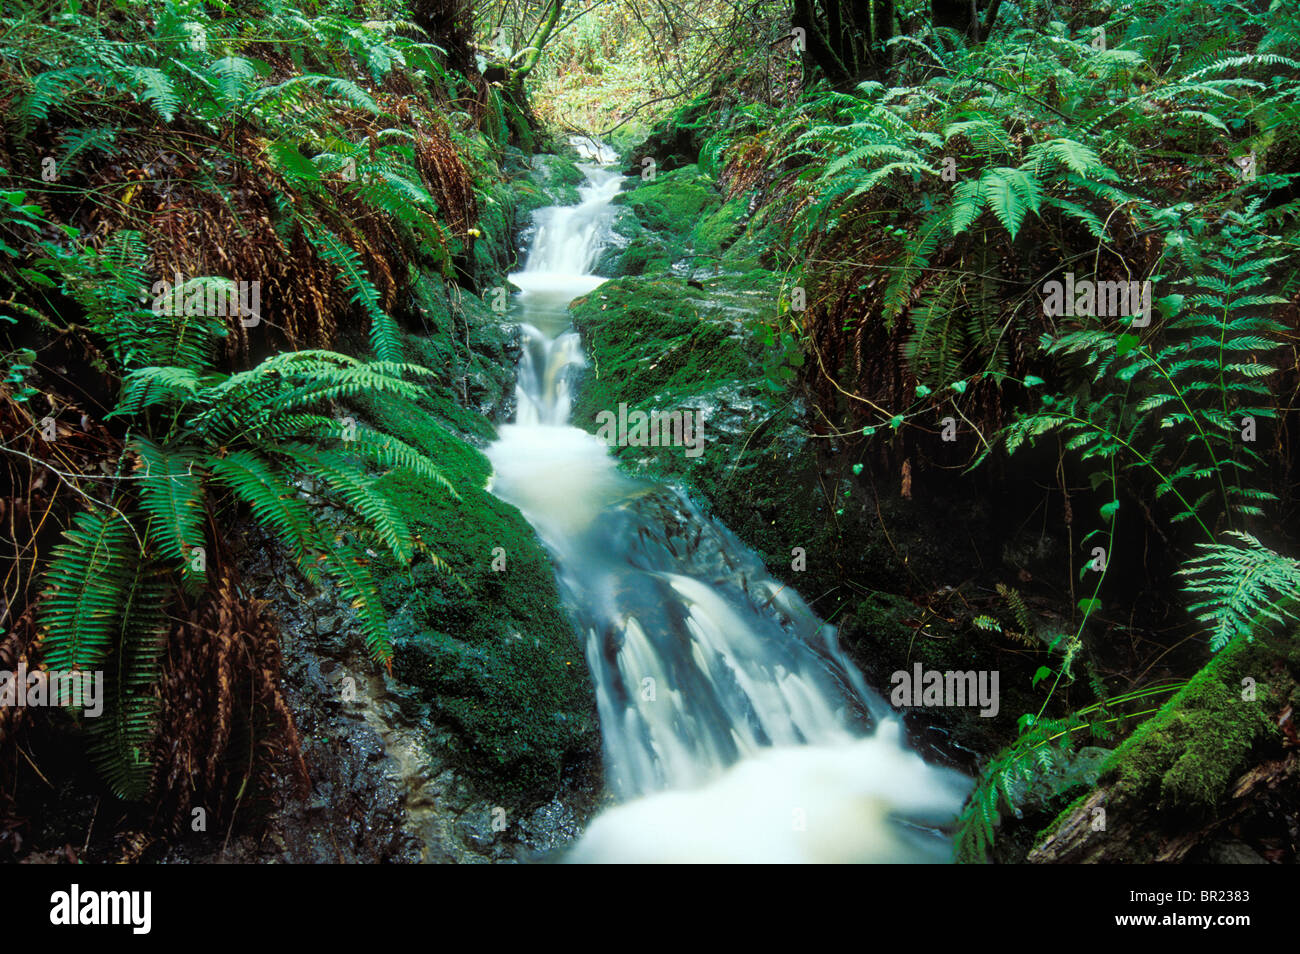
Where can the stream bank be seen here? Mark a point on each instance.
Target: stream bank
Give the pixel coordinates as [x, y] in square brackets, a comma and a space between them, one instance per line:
[481, 744]
[911, 566]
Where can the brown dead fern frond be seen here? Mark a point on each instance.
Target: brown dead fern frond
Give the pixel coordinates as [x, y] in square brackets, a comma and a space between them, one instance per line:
[228, 729]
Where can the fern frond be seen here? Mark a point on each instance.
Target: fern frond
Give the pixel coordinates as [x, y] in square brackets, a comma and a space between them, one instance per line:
[1011, 194]
[121, 738]
[385, 338]
[155, 88]
[274, 503]
[349, 568]
[341, 476]
[88, 581]
[171, 492]
[1240, 582]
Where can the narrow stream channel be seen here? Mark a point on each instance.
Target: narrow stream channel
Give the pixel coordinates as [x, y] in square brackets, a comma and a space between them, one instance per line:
[734, 729]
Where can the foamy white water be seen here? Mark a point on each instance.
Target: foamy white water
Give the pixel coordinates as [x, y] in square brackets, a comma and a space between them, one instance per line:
[733, 727]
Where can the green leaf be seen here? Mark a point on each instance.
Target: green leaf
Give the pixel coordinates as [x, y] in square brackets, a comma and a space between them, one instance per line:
[1011, 194]
[172, 495]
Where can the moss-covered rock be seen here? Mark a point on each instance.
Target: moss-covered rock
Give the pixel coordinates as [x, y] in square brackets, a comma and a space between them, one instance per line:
[494, 248]
[473, 349]
[720, 228]
[675, 141]
[673, 202]
[551, 180]
[681, 217]
[491, 652]
[662, 339]
[498, 659]
[642, 256]
[1188, 753]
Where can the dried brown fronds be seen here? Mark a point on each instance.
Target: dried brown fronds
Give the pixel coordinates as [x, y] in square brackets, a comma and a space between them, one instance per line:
[226, 728]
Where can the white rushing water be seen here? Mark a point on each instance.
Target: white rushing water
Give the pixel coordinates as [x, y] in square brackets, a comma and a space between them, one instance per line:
[733, 727]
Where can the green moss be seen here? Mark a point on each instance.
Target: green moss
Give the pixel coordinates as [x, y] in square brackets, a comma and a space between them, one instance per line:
[469, 346]
[627, 137]
[494, 250]
[682, 215]
[660, 340]
[1184, 759]
[496, 658]
[675, 140]
[721, 227]
[672, 202]
[662, 344]
[552, 180]
[645, 255]
[1188, 753]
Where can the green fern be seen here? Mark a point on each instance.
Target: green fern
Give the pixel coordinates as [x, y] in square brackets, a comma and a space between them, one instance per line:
[121, 739]
[385, 339]
[155, 88]
[1238, 583]
[85, 587]
[1173, 406]
[937, 344]
[171, 493]
[1011, 194]
[102, 611]
[204, 438]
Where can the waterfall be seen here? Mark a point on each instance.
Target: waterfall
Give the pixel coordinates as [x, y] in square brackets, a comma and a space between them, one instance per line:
[733, 727]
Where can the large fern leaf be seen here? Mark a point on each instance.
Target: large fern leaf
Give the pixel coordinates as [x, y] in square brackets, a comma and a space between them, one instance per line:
[89, 579]
[171, 492]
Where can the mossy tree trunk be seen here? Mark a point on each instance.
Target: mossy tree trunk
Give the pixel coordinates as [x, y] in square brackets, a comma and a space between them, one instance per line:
[510, 77]
[1217, 765]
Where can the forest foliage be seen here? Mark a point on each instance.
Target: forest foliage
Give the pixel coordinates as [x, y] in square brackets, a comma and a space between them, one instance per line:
[1072, 234]
[213, 216]
[1070, 229]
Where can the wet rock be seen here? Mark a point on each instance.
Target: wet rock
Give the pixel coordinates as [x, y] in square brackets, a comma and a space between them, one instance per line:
[384, 781]
[1233, 853]
[552, 180]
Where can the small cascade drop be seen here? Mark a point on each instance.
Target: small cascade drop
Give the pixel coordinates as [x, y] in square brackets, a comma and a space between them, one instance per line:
[734, 728]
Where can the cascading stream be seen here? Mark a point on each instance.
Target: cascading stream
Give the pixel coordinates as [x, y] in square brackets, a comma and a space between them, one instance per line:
[733, 727]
